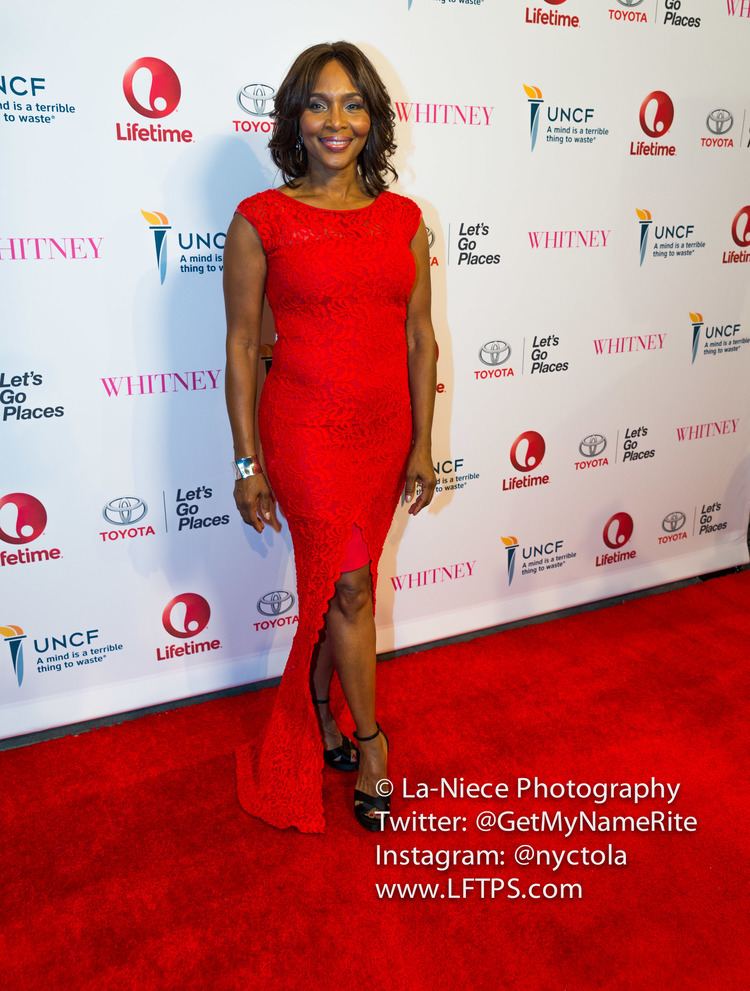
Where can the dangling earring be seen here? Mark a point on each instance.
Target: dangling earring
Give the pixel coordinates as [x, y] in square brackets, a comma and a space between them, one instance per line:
[299, 144]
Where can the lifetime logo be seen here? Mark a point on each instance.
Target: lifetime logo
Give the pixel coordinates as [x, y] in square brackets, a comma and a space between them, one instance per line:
[617, 532]
[551, 18]
[22, 520]
[656, 116]
[152, 88]
[526, 454]
[186, 616]
[741, 237]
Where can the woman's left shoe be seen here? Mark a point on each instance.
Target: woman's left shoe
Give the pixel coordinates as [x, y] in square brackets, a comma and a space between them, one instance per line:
[345, 757]
[365, 803]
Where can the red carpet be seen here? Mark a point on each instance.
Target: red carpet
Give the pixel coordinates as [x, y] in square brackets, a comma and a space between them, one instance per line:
[127, 861]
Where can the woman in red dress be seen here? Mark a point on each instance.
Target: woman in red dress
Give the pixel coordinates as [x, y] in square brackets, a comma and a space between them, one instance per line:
[344, 416]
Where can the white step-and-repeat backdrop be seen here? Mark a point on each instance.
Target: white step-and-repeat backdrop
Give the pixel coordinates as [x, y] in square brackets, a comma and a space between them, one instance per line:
[583, 167]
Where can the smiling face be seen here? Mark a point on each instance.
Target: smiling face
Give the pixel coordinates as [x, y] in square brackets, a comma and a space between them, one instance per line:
[335, 123]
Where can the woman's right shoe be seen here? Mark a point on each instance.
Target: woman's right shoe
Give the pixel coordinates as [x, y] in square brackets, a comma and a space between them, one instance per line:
[345, 757]
[364, 803]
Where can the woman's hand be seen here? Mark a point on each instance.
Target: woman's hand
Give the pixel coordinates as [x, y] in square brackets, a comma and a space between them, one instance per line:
[419, 471]
[256, 502]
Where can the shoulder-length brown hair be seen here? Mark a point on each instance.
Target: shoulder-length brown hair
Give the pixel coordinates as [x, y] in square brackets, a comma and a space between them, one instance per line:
[292, 98]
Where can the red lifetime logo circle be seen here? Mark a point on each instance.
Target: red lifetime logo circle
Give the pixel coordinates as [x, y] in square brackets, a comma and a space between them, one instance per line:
[527, 451]
[656, 124]
[31, 518]
[741, 227]
[618, 530]
[163, 91]
[186, 615]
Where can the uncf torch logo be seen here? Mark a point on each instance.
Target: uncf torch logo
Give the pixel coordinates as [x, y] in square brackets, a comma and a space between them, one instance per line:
[14, 637]
[159, 224]
[186, 615]
[696, 320]
[511, 547]
[527, 451]
[645, 220]
[535, 101]
[151, 87]
[30, 518]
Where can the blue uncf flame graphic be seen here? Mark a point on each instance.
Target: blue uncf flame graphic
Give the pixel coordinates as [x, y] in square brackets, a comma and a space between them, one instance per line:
[511, 546]
[697, 321]
[159, 224]
[14, 636]
[535, 101]
[644, 221]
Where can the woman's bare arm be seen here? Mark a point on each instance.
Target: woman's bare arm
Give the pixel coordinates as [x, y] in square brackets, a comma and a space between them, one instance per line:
[422, 358]
[244, 287]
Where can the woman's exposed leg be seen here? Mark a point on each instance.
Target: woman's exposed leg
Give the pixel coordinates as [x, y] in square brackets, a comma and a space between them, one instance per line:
[321, 688]
[350, 626]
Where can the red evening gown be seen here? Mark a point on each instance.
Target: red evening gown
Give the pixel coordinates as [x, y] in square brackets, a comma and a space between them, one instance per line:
[334, 418]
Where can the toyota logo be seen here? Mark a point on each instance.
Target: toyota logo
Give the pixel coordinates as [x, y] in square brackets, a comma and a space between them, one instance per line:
[275, 603]
[592, 445]
[494, 353]
[124, 511]
[255, 98]
[673, 522]
[719, 121]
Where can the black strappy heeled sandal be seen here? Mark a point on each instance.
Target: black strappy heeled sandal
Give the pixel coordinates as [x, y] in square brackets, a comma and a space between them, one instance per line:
[345, 757]
[364, 803]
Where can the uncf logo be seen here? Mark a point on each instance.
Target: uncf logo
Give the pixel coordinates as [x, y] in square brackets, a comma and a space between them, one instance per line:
[618, 530]
[656, 114]
[151, 87]
[30, 518]
[527, 451]
[741, 227]
[14, 637]
[186, 615]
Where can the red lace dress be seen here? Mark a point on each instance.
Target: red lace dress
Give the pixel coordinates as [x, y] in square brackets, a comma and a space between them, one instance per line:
[335, 425]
